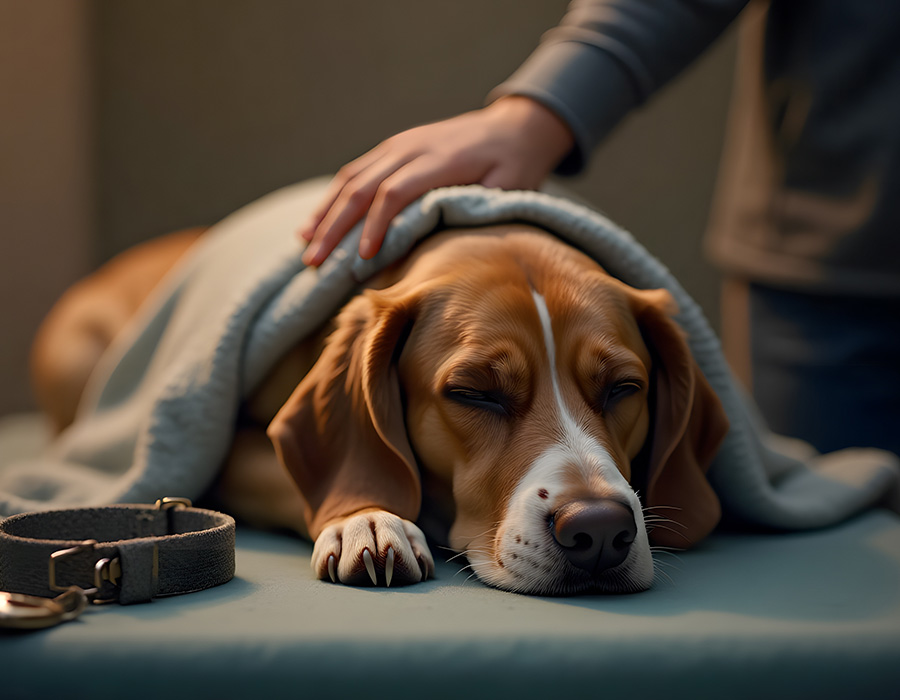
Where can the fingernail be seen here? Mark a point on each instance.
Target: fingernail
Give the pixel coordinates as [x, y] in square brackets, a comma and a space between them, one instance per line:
[307, 229]
[366, 249]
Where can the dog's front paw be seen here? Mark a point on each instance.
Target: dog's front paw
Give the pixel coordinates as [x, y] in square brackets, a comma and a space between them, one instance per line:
[372, 548]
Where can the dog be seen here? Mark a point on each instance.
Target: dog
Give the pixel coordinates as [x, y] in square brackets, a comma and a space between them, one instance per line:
[496, 389]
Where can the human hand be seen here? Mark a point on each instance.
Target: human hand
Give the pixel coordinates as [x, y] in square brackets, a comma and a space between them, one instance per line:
[514, 143]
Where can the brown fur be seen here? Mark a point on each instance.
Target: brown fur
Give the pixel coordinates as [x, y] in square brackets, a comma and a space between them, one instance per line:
[359, 423]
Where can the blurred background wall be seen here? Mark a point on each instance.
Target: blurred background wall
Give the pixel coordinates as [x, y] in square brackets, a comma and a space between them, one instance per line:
[123, 119]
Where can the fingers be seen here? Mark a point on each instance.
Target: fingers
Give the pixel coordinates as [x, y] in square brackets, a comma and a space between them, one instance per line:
[387, 185]
[507, 177]
[379, 184]
[406, 185]
[336, 186]
[350, 205]
[502, 145]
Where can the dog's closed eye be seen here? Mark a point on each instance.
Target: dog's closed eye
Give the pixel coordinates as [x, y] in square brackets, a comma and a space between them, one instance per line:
[486, 400]
[617, 391]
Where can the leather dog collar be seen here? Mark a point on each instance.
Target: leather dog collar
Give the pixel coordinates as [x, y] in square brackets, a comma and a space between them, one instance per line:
[121, 553]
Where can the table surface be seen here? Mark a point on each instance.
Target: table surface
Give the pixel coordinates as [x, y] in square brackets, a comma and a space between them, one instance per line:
[784, 615]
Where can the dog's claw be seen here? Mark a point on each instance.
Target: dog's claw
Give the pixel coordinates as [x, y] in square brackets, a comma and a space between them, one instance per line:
[385, 544]
[370, 565]
[389, 567]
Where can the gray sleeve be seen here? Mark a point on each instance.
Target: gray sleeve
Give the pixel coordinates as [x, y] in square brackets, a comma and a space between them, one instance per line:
[607, 57]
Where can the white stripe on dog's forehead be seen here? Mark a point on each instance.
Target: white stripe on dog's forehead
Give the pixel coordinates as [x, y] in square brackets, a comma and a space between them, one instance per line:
[568, 422]
[576, 447]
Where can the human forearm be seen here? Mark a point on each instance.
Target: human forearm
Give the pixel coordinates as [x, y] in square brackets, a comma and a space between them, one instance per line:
[608, 56]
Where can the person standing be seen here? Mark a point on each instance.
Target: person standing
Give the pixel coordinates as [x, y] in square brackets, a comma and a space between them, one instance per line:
[806, 222]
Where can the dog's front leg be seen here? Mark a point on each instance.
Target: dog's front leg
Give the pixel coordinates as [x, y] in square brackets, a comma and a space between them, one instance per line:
[342, 436]
[372, 547]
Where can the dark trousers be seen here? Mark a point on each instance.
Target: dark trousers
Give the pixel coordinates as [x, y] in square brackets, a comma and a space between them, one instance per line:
[827, 369]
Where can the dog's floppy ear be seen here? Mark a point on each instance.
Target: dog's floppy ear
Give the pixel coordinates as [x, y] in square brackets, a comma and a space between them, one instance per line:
[689, 424]
[342, 434]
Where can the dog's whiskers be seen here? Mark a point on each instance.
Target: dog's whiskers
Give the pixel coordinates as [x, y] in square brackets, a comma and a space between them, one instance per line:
[461, 569]
[458, 554]
[665, 525]
[669, 529]
[660, 566]
[657, 518]
[469, 578]
[661, 562]
[661, 575]
[483, 551]
[646, 508]
[654, 518]
[662, 549]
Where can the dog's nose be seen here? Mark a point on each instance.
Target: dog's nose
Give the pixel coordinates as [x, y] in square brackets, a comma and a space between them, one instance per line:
[595, 534]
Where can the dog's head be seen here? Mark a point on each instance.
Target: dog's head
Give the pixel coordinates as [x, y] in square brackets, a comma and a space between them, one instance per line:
[540, 391]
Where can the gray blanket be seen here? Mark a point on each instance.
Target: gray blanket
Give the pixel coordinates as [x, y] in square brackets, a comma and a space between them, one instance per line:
[159, 411]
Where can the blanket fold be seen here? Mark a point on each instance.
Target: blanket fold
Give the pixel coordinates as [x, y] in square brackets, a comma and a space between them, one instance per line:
[159, 411]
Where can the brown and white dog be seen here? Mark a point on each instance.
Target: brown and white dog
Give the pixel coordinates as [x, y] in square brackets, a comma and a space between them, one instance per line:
[497, 387]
